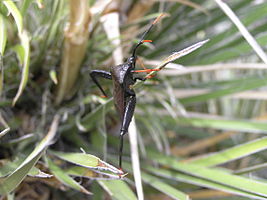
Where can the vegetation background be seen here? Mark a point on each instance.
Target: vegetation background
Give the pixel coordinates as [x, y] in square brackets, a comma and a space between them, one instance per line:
[200, 122]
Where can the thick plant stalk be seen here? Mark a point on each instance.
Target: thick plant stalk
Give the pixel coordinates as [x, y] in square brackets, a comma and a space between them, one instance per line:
[76, 37]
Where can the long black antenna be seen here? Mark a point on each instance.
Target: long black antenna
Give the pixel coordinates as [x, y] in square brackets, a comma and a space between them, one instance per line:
[145, 33]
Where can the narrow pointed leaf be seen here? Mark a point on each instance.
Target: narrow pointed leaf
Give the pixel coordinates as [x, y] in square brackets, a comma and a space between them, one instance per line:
[164, 187]
[160, 185]
[65, 178]
[25, 43]
[14, 179]
[186, 178]
[87, 160]
[215, 175]
[12, 8]
[118, 189]
[177, 55]
[224, 124]
[3, 34]
[245, 84]
[89, 173]
[25, 6]
[233, 153]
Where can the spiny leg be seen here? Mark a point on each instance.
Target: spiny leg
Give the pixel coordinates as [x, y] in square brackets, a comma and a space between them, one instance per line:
[139, 60]
[100, 73]
[128, 115]
[146, 70]
[139, 78]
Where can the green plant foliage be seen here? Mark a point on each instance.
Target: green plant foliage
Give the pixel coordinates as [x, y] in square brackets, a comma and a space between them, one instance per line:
[64, 178]
[118, 189]
[182, 115]
[14, 179]
[3, 35]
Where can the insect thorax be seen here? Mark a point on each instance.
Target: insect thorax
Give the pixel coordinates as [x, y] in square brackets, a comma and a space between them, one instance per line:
[120, 72]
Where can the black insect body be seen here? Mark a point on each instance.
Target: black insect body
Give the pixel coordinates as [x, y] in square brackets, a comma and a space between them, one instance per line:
[124, 97]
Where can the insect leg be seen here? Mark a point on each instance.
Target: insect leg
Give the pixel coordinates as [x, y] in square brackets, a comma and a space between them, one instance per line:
[140, 78]
[127, 118]
[100, 73]
[146, 70]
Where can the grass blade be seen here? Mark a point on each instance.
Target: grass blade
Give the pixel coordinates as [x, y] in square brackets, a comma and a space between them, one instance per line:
[242, 85]
[64, 178]
[163, 187]
[92, 174]
[117, 189]
[3, 35]
[243, 30]
[214, 175]
[236, 152]
[25, 6]
[200, 182]
[223, 124]
[25, 54]
[87, 160]
[14, 179]
[12, 8]
[160, 185]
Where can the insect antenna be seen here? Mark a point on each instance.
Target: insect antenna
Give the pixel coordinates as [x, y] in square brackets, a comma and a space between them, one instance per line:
[141, 41]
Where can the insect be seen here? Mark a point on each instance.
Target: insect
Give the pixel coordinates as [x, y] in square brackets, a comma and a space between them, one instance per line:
[123, 78]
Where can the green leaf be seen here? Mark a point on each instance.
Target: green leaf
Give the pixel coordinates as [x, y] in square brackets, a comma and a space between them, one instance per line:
[37, 173]
[25, 6]
[92, 117]
[164, 187]
[12, 8]
[81, 159]
[86, 160]
[64, 178]
[14, 179]
[10, 166]
[20, 52]
[224, 124]
[216, 175]
[24, 55]
[53, 76]
[1, 77]
[3, 34]
[182, 177]
[251, 169]
[117, 189]
[89, 173]
[236, 152]
[243, 85]
[159, 184]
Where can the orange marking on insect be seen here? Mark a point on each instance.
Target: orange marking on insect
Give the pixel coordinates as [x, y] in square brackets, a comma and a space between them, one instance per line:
[103, 96]
[151, 76]
[143, 41]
